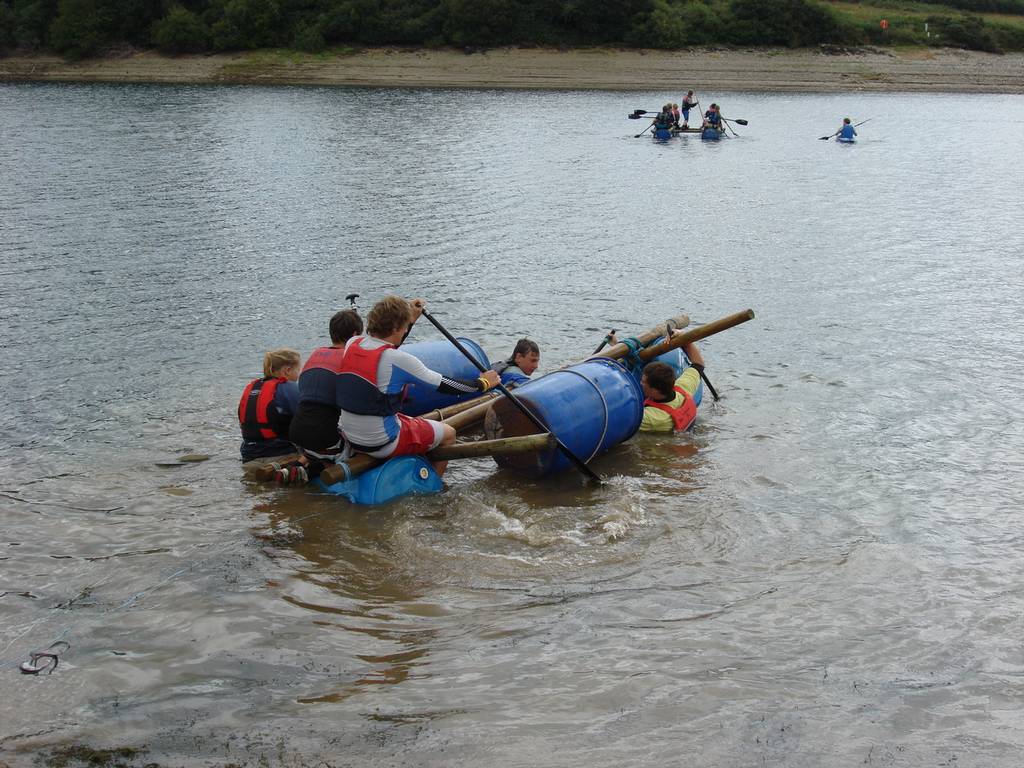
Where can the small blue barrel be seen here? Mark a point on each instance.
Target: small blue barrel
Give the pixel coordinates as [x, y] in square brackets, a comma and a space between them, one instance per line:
[401, 476]
[711, 134]
[443, 357]
[590, 407]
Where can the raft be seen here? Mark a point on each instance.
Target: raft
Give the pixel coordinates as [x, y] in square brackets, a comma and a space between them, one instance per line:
[687, 130]
[712, 134]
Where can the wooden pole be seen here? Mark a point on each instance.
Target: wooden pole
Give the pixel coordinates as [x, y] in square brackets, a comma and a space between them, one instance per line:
[443, 414]
[469, 416]
[701, 332]
[362, 462]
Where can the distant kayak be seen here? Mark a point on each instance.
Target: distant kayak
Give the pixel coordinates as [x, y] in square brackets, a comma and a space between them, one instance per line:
[841, 140]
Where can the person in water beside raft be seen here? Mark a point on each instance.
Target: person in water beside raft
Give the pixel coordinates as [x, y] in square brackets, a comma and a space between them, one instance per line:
[847, 131]
[373, 377]
[268, 404]
[668, 401]
[689, 102]
[314, 429]
[517, 369]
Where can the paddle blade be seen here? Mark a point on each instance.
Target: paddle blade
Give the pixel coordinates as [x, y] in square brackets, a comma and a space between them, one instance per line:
[824, 138]
[741, 122]
[634, 117]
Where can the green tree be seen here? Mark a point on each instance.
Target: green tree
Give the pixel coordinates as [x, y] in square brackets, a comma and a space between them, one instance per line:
[81, 28]
[792, 23]
[181, 31]
[247, 24]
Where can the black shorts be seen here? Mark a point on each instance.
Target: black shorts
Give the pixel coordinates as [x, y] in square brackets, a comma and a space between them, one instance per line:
[315, 428]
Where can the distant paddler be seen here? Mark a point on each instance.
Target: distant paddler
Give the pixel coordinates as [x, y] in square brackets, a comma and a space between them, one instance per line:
[664, 120]
[846, 132]
[712, 117]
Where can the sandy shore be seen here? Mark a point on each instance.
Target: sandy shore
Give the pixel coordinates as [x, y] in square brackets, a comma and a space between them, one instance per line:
[776, 70]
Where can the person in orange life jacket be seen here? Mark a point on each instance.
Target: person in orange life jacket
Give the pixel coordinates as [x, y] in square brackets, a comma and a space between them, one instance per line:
[372, 381]
[517, 370]
[668, 401]
[314, 429]
[267, 405]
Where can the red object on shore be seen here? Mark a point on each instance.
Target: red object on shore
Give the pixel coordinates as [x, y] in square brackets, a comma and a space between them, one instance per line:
[884, 23]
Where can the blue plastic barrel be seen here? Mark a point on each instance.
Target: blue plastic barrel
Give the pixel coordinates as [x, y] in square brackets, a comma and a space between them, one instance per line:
[443, 357]
[591, 407]
[711, 134]
[662, 134]
[401, 476]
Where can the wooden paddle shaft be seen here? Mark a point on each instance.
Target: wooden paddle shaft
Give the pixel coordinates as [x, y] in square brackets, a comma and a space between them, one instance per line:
[362, 462]
[702, 332]
[443, 414]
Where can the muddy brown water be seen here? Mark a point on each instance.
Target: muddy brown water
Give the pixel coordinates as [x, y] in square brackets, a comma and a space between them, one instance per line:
[825, 572]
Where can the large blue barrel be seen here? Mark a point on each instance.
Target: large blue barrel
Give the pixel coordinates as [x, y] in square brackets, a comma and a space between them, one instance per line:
[662, 134]
[591, 407]
[443, 357]
[711, 134]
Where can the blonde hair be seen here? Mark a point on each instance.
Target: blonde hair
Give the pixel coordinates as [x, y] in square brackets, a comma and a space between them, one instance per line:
[276, 359]
[387, 316]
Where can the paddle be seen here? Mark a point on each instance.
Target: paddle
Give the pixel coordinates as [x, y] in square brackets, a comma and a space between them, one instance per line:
[604, 341]
[645, 130]
[580, 465]
[826, 138]
[726, 123]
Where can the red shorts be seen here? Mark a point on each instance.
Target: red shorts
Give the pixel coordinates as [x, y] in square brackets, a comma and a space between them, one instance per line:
[417, 436]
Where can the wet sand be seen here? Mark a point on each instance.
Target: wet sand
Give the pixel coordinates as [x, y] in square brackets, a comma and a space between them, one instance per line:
[775, 70]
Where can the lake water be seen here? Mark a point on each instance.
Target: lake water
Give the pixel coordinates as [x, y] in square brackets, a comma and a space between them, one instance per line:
[826, 572]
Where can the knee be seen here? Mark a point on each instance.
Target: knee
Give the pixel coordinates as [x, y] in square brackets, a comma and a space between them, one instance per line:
[448, 436]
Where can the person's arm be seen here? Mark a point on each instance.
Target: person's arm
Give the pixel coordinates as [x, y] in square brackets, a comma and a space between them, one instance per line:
[407, 369]
[286, 398]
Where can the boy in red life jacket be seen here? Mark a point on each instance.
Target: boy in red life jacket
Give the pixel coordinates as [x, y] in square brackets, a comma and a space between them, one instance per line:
[668, 401]
[315, 429]
[267, 405]
[372, 380]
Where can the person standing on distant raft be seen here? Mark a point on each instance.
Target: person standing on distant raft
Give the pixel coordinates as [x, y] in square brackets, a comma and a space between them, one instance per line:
[267, 406]
[372, 381]
[847, 132]
[517, 370]
[314, 429]
[668, 401]
[689, 102]
[675, 115]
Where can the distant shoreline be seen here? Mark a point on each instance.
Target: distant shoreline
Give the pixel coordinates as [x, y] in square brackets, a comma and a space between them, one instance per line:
[935, 70]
